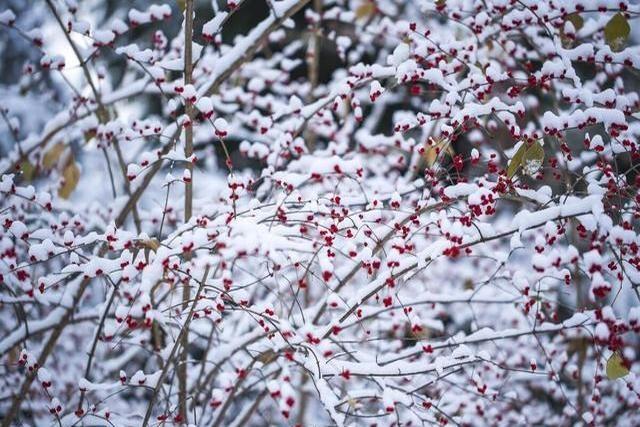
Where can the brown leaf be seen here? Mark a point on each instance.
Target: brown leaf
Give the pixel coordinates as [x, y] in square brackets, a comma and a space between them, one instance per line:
[433, 151]
[52, 155]
[468, 284]
[152, 244]
[577, 345]
[366, 9]
[266, 357]
[70, 178]
[89, 135]
[12, 356]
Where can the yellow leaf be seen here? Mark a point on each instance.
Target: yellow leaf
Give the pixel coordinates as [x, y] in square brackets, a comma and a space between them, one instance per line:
[70, 178]
[366, 9]
[616, 367]
[616, 32]
[51, 157]
[182, 4]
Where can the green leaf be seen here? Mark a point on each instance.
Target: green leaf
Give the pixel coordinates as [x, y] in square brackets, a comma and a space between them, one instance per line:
[576, 20]
[616, 367]
[533, 158]
[516, 160]
[616, 32]
[28, 170]
[528, 157]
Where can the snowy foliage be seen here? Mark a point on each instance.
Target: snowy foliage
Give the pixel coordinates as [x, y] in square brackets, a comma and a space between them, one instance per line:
[441, 229]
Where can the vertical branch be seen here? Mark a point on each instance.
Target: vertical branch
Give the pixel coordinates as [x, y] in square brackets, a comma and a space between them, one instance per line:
[188, 201]
[188, 130]
[313, 65]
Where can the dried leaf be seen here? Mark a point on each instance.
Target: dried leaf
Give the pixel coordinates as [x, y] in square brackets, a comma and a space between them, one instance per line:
[103, 115]
[50, 158]
[266, 357]
[577, 345]
[12, 356]
[89, 135]
[419, 335]
[152, 244]
[616, 367]
[432, 151]
[366, 9]
[616, 32]
[468, 284]
[71, 176]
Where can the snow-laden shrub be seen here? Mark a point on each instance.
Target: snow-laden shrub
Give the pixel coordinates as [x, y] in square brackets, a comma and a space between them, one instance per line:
[440, 229]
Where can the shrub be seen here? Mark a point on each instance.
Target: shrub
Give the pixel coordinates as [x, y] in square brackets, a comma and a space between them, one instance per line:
[363, 212]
